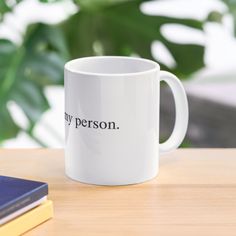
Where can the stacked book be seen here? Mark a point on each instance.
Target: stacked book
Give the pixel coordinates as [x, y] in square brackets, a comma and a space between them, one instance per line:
[23, 205]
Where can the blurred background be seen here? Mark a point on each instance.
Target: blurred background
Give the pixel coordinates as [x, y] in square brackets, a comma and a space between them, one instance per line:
[193, 39]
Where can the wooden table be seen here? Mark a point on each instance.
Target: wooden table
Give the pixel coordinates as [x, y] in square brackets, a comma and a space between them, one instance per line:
[194, 194]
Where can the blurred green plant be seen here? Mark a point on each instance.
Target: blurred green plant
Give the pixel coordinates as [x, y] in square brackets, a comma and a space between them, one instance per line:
[101, 27]
[25, 70]
[232, 11]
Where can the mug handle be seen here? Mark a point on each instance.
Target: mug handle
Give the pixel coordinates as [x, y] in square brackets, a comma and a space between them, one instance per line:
[181, 111]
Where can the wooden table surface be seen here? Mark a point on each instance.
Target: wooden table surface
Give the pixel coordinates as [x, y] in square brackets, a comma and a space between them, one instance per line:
[194, 194]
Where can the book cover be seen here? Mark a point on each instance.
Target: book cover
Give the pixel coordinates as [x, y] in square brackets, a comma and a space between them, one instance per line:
[22, 210]
[17, 193]
[28, 221]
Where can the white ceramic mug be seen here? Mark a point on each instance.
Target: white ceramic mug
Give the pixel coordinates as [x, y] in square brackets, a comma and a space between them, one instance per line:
[112, 119]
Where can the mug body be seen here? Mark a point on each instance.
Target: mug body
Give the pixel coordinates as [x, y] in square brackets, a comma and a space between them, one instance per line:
[111, 120]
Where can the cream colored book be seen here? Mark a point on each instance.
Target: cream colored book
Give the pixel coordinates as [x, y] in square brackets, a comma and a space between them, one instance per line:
[28, 220]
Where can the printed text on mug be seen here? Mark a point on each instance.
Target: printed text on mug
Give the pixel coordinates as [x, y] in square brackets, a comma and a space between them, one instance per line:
[93, 124]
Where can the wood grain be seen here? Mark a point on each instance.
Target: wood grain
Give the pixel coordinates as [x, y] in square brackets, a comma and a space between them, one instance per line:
[194, 194]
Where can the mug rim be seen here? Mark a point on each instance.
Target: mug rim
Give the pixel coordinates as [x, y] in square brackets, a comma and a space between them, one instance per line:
[155, 66]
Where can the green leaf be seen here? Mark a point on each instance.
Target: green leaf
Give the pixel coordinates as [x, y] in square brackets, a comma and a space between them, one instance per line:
[189, 58]
[26, 70]
[7, 6]
[91, 5]
[122, 29]
[80, 35]
[215, 16]
[49, 1]
[232, 10]
[8, 128]
[31, 100]
[4, 7]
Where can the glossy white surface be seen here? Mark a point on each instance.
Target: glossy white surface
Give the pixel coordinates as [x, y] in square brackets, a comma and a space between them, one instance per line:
[112, 119]
[181, 110]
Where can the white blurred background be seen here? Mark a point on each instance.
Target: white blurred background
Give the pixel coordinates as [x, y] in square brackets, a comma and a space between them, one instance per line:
[217, 81]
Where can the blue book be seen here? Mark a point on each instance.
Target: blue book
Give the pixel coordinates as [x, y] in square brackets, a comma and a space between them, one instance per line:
[16, 194]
